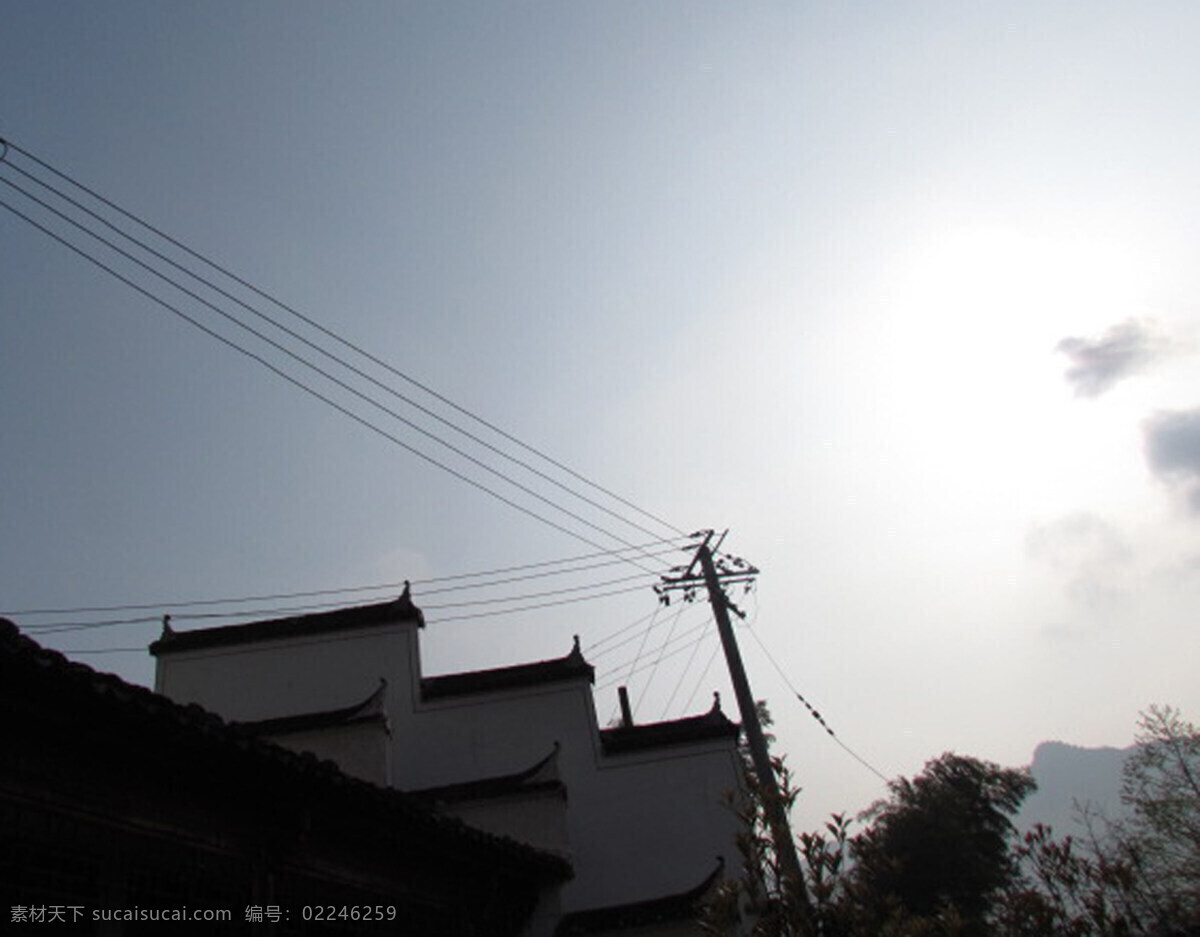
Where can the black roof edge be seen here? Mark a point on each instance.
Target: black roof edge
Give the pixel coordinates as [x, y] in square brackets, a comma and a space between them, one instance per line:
[678, 907]
[713, 724]
[570, 667]
[395, 611]
[369, 710]
[199, 722]
[519, 782]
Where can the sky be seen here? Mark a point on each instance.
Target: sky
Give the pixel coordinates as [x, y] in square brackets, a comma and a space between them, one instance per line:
[903, 295]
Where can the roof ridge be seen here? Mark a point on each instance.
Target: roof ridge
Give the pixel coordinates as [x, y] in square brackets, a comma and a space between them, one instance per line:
[510, 676]
[395, 610]
[525, 780]
[632, 914]
[369, 709]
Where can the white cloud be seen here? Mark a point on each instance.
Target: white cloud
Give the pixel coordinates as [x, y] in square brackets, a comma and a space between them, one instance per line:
[1172, 442]
[1092, 558]
[1099, 363]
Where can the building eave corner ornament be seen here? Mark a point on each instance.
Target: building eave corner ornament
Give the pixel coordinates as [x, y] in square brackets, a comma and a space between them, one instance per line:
[405, 603]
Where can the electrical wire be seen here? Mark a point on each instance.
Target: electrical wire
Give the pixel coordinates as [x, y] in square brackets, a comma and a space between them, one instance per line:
[653, 670]
[330, 334]
[703, 674]
[300, 385]
[173, 605]
[300, 338]
[816, 715]
[435, 620]
[46, 628]
[686, 668]
[59, 626]
[316, 325]
[308, 364]
[506, 611]
[620, 631]
[645, 638]
[636, 670]
[634, 667]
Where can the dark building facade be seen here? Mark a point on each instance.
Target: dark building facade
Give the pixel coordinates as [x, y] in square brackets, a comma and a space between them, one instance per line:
[116, 802]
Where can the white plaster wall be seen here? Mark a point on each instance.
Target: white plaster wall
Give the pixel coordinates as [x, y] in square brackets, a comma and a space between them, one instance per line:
[637, 826]
[640, 825]
[539, 819]
[293, 675]
[362, 750]
[463, 738]
[657, 820]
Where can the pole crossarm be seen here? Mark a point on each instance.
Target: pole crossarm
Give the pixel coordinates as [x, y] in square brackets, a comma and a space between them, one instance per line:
[728, 570]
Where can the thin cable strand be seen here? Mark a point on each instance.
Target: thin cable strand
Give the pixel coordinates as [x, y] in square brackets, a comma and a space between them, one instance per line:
[307, 342]
[314, 367]
[171, 606]
[703, 674]
[297, 383]
[817, 716]
[316, 325]
[686, 668]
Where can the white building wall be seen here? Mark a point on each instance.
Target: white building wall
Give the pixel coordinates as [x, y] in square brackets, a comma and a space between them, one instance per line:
[362, 751]
[639, 825]
[539, 819]
[267, 679]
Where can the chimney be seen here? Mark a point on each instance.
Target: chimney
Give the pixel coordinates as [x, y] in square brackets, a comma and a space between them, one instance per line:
[626, 712]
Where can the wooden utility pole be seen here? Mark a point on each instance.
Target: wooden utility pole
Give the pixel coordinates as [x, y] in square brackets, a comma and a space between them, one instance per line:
[773, 807]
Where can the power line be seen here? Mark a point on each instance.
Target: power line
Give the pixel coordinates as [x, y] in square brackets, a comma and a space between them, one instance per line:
[681, 644]
[302, 386]
[330, 334]
[506, 611]
[58, 626]
[620, 631]
[642, 645]
[171, 605]
[300, 338]
[533, 595]
[704, 673]
[653, 670]
[301, 360]
[673, 653]
[686, 668]
[816, 715]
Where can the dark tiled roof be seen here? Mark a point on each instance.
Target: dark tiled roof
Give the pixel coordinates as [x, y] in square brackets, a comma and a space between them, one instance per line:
[714, 724]
[342, 619]
[541, 777]
[369, 710]
[684, 906]
[29, 669]
[571, 667]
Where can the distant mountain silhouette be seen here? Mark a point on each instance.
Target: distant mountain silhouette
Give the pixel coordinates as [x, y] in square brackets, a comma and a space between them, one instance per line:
[1070, 777]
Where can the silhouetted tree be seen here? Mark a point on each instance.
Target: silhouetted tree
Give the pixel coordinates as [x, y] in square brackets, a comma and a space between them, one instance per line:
[928, 864]
[757, 900]
[1139, 877]
[1162, 786]
[939, 847]
[939, 857]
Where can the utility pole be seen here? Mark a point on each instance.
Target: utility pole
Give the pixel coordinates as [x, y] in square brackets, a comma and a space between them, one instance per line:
[714, 575]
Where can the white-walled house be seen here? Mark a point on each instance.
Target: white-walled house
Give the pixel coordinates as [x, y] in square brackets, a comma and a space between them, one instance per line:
[640, 811]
